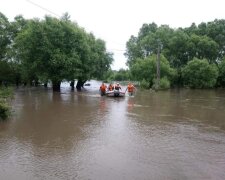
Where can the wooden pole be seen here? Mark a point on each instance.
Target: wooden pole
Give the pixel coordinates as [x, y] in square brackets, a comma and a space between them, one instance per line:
[158, 66]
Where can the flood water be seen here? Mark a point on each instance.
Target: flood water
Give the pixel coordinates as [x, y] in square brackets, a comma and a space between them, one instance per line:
[174, 134]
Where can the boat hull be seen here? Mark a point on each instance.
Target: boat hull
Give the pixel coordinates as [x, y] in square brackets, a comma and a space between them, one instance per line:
[115, 94]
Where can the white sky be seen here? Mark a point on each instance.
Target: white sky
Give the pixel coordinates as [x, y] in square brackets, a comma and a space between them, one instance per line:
[116, 20]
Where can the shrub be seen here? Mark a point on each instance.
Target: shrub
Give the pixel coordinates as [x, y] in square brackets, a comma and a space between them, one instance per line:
[164, 83]
[221, 78]
[146, 69]
[4, 110]
[5, 93]
[144, 84]
[200, 74]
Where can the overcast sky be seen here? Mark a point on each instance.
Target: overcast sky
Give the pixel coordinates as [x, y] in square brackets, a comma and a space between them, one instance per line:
[116, 20]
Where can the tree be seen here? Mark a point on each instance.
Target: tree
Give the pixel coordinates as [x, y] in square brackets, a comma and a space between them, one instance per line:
[121, 75]
[179, 46]
[133, 51]
[221, 78]
[101, 59]
[50, 49]
[145, 69]
[216, 31]
[177, 52]
[96, 61]
[4, 36]
[147, 42]
[202, 47]
[200, 74]
[57, 49]
[8, 67]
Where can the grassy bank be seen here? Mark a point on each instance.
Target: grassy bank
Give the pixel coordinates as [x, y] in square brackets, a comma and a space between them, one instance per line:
[5, 95]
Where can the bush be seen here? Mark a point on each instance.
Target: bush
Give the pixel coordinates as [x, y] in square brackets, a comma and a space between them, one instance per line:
[4, 110]
[221, 78]
[5, 93]
[144, 84]
[146, 69]
[200, 74]
[164, 83]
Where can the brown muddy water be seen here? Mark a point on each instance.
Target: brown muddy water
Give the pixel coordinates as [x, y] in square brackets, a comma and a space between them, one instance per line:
[175, 134]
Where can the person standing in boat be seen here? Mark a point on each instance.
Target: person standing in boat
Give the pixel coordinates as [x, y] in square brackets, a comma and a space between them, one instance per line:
[102, 89]
[130, 88]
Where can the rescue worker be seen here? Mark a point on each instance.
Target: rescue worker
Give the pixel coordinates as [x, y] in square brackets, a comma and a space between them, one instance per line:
[117, 87]
[117, 90]
[110, 87]
[102, 89]
[130, 88]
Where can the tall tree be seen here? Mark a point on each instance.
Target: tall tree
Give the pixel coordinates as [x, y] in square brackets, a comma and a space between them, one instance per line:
[4, 36]
[56, 49]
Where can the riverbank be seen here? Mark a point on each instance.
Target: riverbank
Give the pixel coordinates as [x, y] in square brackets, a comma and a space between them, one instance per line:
[5, 95]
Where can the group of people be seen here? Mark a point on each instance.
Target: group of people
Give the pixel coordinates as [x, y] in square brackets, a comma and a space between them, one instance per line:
[103, 88]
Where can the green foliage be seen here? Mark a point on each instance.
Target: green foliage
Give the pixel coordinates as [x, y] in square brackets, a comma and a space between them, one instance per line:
[9, 68]
[202, 47]
[216, 31]
[164, 83]
[200, 74]
[179, 46]
[4, 36]
[120, 75]
[149, 38]
[144, 84]
[101, 59]
[5, 93]
[4, 110]
[221, 78]
[56, 49]
[133, 51]
[146, 69]
[5, 72]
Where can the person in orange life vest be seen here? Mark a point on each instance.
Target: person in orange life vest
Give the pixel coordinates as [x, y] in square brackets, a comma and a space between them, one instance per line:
[117, 87]
[102, 89]
[110, 87]
[131, 89]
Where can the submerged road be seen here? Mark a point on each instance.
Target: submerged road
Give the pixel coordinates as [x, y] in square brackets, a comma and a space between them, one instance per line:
[174, 134]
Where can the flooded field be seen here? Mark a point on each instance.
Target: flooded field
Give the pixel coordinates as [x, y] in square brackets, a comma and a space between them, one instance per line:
[174, 134]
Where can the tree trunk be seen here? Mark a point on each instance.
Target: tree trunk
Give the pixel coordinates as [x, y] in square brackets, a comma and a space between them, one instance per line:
[56, 86]
[158, 68]
[72, 85]
[36, 83]
[80, 84]
[17, 83]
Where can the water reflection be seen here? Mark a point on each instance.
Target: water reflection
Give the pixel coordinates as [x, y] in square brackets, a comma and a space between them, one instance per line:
[175, 134]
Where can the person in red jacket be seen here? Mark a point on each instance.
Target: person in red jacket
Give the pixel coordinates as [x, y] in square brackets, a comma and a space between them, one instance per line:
[110, 87]
[102, 89]
[130, 89]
